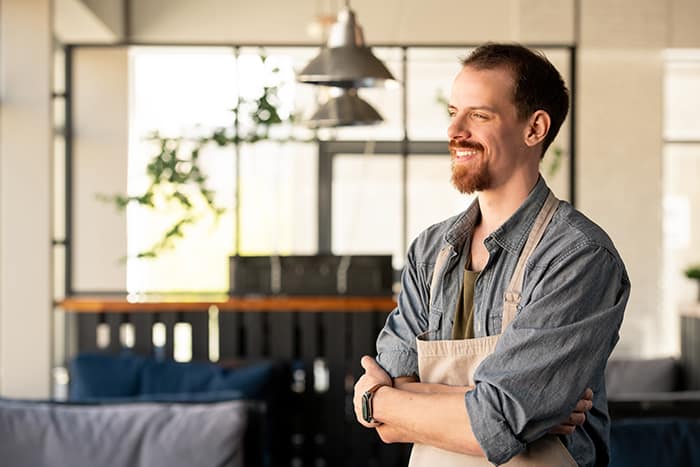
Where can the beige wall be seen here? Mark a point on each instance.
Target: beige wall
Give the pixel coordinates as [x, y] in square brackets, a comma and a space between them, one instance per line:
[387, 21]
[25, 187]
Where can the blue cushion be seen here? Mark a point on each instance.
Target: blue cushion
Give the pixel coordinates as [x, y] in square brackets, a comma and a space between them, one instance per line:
[654, 442]
[129, 376]
[98, 375]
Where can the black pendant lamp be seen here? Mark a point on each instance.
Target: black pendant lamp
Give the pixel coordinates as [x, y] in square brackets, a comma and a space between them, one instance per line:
[344, 108]
[346, 61]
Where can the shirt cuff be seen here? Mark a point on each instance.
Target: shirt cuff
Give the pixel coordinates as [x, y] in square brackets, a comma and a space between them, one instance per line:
[398, 363]
[490, 429]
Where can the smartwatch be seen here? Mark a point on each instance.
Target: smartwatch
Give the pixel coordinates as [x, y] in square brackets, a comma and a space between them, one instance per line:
[367, 403]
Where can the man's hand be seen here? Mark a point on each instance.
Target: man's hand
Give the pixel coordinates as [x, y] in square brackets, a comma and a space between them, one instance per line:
[374, 374]
[577, 417]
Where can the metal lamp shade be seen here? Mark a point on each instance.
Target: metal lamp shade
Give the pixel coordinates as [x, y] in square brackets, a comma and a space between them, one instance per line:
[346, 61]
[345, 67]
[345, 109]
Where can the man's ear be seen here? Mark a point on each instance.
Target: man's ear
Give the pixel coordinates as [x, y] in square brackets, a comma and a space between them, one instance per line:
[537, 127]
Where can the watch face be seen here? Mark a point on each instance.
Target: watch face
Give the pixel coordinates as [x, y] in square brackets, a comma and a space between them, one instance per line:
[366, 408]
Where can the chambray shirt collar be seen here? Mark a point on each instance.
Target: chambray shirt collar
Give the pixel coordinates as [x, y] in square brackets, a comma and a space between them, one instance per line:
[463, 227]
[512, 234]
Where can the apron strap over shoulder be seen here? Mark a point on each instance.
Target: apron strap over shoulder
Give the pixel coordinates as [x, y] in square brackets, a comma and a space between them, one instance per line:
[440, 263]
[515, 287]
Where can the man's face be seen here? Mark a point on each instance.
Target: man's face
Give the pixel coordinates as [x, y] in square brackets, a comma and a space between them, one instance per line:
[486, 135]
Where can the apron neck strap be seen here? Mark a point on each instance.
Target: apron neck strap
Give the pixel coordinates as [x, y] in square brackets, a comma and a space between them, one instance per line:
[515, 287]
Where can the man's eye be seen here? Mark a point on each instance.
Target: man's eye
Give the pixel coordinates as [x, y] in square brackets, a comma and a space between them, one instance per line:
[479, 116]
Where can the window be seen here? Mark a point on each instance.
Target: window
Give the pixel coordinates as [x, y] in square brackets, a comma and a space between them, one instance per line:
[356, 190]
[681, 203]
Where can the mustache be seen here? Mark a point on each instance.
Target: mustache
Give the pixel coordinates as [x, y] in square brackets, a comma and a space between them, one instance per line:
[455, 144]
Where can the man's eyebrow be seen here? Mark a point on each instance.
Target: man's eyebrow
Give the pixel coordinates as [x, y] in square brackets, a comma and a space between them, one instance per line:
[476, 107]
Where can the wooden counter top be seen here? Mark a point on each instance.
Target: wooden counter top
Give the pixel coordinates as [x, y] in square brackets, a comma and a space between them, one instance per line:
[202, 303]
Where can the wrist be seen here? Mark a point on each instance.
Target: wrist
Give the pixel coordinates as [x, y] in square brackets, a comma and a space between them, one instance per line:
[379, 403]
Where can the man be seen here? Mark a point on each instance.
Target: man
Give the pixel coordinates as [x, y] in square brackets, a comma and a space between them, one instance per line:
[508, 311]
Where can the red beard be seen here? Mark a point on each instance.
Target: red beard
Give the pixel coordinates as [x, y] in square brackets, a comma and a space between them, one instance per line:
[473, 175]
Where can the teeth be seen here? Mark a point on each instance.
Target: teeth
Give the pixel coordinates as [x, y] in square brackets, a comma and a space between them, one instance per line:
[465, 152]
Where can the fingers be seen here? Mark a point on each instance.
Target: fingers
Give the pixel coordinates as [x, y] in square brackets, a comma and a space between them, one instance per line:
[584, 405]
[569, 426]
[576, 419]
[368, 362]
[375, 371]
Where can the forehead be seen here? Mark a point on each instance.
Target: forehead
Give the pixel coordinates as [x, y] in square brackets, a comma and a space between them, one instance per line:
[474, 87]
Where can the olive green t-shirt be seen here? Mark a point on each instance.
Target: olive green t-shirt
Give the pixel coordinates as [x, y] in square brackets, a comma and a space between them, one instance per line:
[463, 327]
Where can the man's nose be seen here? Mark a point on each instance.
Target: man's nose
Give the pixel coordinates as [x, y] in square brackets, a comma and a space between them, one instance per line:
[458, 129]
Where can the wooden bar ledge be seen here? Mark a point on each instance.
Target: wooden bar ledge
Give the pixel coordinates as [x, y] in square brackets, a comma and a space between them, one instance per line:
[164, 303]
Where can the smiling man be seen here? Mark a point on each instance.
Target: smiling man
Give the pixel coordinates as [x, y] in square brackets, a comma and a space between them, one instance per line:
[508, 311]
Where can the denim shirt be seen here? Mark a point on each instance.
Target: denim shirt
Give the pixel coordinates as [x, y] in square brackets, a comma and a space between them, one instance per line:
[573, 299]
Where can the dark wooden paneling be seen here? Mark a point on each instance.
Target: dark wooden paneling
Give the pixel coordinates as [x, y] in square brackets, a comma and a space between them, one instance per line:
[254, 335]
[307, 420]
[334, 425]
[362, 342]
[87, 332]
[200, 334]
[169, 319]
[114, 321]
[143, 333]
[280, 335]
[230, 337]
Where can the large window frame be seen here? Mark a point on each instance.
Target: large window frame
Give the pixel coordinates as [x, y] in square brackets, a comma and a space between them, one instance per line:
[64, 246]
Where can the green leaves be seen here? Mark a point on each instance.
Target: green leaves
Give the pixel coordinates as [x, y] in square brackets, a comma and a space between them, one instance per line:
[693, 272]
[176, 178]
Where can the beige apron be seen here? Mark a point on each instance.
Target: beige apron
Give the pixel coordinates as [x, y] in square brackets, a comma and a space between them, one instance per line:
[453, 362]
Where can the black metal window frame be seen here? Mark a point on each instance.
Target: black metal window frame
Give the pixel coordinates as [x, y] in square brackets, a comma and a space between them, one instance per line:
[327, 149]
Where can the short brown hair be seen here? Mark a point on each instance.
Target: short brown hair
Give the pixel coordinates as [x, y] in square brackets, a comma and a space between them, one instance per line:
[538, 84]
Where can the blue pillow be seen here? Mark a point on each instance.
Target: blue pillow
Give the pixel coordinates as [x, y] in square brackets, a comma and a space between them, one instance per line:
[173, 377]
[97, 375]
[128, 376]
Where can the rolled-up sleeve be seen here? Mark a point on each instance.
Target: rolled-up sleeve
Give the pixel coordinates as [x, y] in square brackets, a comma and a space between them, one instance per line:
[556, 347]
[396, 346]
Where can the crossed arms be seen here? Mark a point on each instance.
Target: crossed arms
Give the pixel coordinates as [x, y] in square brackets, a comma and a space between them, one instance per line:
[556, 347]
[426, 413]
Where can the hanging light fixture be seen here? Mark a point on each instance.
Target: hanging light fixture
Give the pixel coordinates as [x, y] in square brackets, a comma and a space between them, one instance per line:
[346, 61]
[344, 108]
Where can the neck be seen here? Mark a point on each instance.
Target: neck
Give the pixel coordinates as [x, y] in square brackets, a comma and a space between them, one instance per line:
[497, 204]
